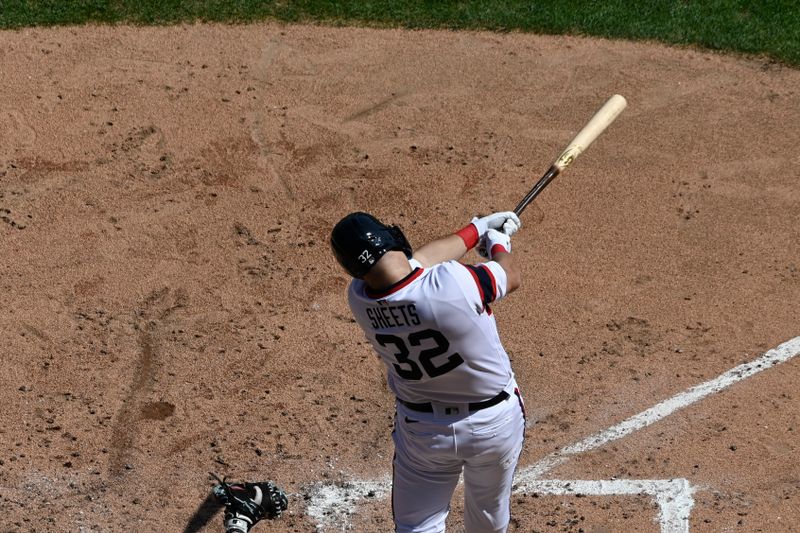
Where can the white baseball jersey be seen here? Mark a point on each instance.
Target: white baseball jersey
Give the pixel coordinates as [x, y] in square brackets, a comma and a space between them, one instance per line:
[435, 332]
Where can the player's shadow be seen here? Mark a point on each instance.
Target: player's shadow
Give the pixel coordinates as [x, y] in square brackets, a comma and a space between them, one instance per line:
[203, 514]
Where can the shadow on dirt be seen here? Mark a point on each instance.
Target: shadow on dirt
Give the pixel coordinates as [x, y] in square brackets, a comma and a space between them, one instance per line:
[203, 514]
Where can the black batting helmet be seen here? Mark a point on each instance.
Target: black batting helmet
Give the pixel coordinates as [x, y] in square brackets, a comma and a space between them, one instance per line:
[359, 240]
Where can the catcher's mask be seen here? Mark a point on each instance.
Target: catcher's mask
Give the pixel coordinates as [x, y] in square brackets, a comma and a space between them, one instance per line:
[359, 240]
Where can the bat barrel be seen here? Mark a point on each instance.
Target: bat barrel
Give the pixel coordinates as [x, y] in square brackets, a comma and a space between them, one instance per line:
[596, 125]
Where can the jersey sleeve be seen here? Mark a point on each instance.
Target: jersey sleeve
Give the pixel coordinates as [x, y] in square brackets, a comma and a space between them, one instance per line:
[490, 279]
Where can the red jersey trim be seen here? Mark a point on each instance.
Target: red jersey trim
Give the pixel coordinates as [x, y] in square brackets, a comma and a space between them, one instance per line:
[486, 283]
[478, 284]
[494, 282]
[414, 274]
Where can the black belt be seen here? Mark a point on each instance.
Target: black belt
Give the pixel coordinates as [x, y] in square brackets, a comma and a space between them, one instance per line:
[427, 407]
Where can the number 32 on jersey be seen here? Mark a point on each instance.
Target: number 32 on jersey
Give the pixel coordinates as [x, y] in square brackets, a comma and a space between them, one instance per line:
[430, 344]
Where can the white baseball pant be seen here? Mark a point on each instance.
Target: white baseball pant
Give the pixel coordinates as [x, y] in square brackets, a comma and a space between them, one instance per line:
[432, 450]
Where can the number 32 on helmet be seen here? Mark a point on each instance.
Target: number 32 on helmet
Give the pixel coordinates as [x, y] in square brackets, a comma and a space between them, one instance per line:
[359, 240]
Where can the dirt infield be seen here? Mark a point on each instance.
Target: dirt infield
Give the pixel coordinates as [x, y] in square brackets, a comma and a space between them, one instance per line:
[171, 308]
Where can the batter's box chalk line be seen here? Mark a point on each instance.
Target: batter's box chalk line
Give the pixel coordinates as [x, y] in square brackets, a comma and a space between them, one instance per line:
[331, 505]
[673, 496]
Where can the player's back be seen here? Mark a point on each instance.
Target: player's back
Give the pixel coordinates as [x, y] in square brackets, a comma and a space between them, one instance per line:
[435, 332]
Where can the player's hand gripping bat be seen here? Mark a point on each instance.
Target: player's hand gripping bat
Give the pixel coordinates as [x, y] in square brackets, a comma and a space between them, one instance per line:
[598, 123]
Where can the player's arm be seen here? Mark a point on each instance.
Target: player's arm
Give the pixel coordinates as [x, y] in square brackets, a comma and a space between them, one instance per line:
[498, 249]
[497, 277]
[456, 245]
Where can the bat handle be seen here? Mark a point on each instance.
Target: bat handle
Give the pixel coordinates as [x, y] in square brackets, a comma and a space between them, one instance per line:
[534, 192]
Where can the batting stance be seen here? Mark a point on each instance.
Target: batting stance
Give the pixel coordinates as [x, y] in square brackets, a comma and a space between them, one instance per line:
[429, 319]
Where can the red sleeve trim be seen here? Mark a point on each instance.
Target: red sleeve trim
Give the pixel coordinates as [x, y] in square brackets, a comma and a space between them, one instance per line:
[485, 281]
[469, 234]
[494, 280]
[477, 283]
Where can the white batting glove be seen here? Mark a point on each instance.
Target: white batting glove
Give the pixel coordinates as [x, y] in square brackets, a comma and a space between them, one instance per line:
[491, 239]
[511, 225]
[508, 221]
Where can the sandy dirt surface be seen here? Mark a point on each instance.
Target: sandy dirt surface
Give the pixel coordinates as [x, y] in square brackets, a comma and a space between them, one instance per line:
[170, 306]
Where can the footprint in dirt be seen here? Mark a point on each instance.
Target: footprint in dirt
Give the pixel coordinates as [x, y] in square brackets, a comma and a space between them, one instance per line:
[146, 148]
[15, 134]
[633, 334]
[14, 220]
[152, 317]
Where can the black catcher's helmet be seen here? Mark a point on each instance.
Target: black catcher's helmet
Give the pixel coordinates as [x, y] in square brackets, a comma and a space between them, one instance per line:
[359, 240]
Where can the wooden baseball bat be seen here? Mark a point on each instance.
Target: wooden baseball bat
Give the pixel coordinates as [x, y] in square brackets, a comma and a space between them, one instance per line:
[596, 125]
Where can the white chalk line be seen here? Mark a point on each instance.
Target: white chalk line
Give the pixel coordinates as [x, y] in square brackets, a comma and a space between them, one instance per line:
[673, 496]
[781, 354]
[332, 504]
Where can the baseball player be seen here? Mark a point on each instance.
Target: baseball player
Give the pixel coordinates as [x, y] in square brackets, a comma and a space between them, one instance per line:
[429, 319]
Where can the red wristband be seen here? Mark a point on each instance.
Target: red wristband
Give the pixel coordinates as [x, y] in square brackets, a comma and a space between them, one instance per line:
[496, 249]
[469, 234]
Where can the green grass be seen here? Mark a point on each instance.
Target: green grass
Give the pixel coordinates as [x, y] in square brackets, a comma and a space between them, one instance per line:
[767, 27]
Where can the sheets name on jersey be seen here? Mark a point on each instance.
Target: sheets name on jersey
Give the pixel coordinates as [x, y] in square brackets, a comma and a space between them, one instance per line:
[392, 316]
